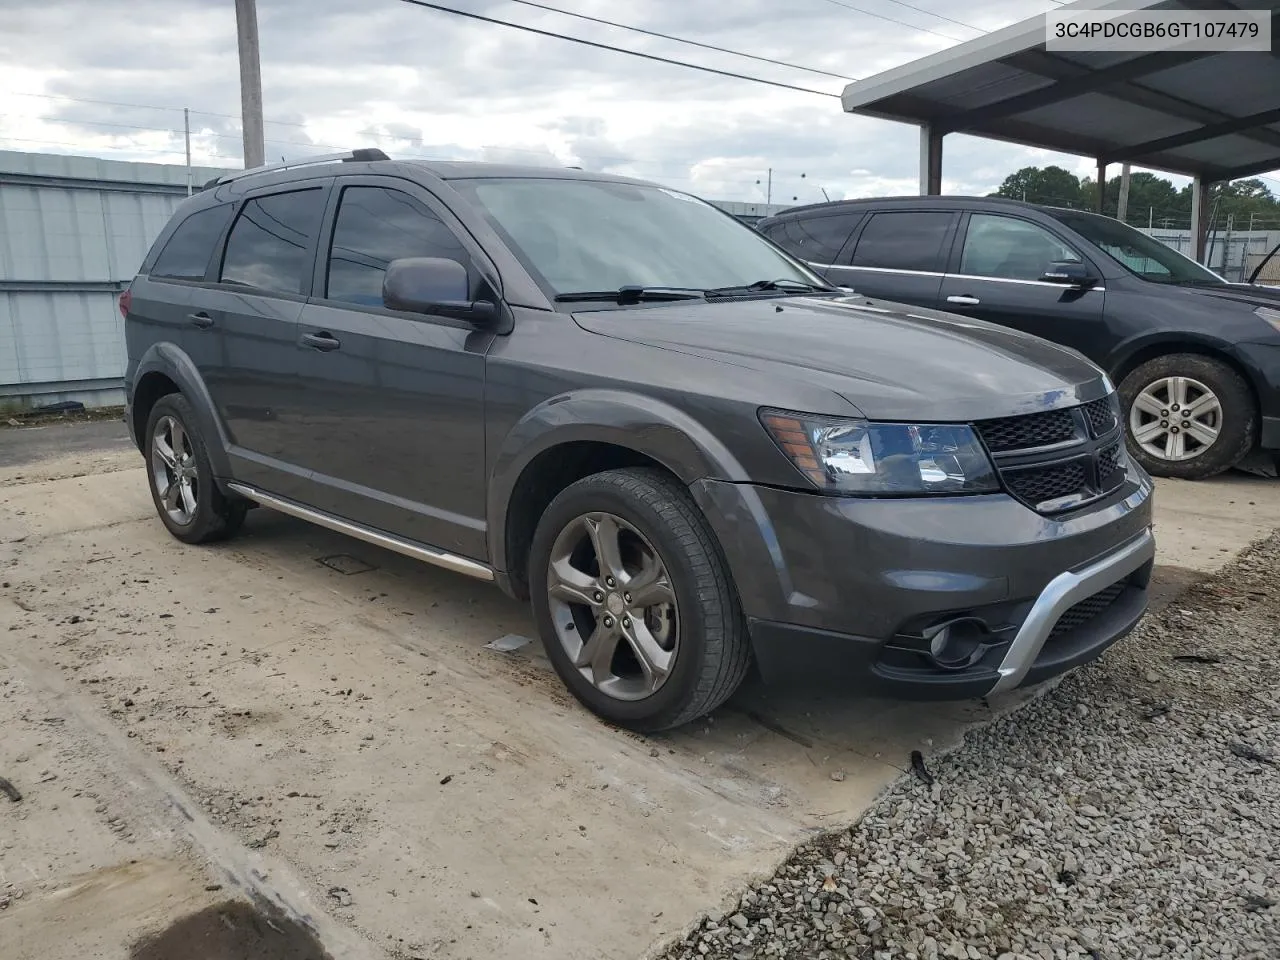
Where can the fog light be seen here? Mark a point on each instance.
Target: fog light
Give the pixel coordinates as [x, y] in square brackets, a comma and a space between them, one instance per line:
[956, 644]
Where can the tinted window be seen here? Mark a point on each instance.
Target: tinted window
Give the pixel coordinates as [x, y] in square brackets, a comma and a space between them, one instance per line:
[816, 239]
[1008, 248]
[903, 241]
[269, 244]
[1135, 251]
[375, 226]
[187, 254]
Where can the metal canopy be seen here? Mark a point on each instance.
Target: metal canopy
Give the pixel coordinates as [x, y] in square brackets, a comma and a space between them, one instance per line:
[1213, 116]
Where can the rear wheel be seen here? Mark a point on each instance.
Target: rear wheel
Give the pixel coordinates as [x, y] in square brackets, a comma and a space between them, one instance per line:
[634, 601]
[1188, 416]
[187, 499]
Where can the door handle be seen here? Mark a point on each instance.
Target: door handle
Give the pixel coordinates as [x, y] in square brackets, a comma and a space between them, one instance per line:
[966, 300]
[320, 341]
[201, 320]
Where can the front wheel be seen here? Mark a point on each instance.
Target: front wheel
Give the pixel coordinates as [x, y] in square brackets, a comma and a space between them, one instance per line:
[634, 601]
[1188, 416]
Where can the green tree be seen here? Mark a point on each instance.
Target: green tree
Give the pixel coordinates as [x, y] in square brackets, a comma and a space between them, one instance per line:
[1051, 185]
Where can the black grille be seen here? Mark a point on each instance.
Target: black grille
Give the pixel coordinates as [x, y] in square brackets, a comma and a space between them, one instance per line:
[1109, 472]
[1087, 609]
[1101, 415]
[1033, 430]
[1037, 485]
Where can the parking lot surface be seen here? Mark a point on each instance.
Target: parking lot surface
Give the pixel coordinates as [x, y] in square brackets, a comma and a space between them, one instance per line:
[325, 727]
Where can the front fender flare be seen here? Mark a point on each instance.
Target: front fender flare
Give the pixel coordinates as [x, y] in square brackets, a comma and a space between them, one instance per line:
[648, 426]
[171, 361]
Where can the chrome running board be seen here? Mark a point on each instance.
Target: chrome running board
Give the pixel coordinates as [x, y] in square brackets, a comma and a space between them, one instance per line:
[437, 558]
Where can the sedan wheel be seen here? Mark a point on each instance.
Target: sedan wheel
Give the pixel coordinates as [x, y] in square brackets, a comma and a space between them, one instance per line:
[1175, 418]
[615, 610]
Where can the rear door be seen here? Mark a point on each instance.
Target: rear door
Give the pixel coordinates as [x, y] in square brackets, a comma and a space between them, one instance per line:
[249, 316]
[996, 277]
[900, 255]
[390, 404]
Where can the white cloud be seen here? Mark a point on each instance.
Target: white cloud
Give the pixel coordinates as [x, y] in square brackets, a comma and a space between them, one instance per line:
[341, 73]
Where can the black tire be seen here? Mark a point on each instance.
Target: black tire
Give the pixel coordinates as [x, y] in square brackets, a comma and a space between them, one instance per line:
[215, 516]
[1238, 429]
[712, 651]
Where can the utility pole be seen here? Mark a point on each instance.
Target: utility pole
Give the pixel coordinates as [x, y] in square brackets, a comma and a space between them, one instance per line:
[1151, 212]
[186, 132]
[1122, 204]
[255, 150]
[768, 195]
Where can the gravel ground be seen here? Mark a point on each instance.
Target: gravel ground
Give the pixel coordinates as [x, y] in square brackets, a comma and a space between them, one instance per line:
[1133, 811]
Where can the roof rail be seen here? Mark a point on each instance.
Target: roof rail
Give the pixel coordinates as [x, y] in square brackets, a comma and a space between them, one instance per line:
[361, 155]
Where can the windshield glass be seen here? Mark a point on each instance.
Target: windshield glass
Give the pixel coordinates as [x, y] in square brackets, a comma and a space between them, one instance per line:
[1135, 251]
[585, 235]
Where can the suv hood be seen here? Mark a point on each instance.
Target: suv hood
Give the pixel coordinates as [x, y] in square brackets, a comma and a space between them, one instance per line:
[892, 361]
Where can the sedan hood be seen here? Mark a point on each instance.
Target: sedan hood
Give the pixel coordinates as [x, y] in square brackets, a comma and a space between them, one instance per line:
[892, 361]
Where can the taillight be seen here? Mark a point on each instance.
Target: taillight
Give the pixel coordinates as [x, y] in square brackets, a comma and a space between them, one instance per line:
[126, 300]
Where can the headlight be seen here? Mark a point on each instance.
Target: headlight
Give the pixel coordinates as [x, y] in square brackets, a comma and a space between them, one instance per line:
[860, 457]
[1269, 314]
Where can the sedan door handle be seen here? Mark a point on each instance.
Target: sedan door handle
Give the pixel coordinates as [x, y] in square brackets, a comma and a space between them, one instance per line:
[966, 300]
[320, 341]
[201, 320]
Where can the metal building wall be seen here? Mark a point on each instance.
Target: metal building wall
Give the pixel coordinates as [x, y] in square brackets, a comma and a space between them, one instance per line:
[73, 231]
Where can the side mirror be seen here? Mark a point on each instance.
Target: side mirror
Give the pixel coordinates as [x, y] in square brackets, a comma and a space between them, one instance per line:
[1069, 273]
[432, 285]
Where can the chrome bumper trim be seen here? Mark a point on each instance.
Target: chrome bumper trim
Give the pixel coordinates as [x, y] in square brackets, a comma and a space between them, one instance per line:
[1063, 592]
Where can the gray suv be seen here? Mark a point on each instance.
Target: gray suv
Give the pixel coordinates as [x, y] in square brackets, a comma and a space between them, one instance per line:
[609, 397]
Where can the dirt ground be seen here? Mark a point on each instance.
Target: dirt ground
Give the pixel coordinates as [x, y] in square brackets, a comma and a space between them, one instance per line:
[320, 729]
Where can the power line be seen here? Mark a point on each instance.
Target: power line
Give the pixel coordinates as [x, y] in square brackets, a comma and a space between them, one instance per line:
[692, 43]
[606, 46]
[901, 23]
[934, 13]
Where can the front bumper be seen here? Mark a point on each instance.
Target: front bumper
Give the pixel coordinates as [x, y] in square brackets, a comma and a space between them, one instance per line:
[1262, 362]
[852, 591]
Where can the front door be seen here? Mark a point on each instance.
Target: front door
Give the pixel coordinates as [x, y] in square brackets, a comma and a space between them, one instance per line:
[249, 317]
[998, 279]
[390, 405]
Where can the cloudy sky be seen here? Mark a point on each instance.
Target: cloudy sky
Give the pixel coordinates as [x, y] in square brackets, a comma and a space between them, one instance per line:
[110, 78]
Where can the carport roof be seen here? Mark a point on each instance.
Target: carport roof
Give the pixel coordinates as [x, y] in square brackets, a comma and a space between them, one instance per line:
[1197, 113]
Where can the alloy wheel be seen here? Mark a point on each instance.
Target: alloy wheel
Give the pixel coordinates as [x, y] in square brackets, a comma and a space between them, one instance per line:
[173, 469]
[1175, 418]
[613, 605]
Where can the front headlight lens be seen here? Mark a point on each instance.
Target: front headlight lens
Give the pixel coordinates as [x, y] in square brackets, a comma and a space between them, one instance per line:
[861, 457]
[1269, 314]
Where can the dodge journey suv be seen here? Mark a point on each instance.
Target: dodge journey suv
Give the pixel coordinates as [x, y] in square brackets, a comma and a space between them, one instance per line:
[1197, 359]
[611, 398]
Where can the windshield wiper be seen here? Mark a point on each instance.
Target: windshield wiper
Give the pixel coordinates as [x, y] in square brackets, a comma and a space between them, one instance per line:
[632, 294]
[781, 286]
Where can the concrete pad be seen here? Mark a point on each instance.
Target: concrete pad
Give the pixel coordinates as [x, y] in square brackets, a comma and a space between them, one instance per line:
[347, 717]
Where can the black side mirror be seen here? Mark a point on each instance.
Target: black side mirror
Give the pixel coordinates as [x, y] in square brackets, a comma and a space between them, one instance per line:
[1069, 273]
[432, 285]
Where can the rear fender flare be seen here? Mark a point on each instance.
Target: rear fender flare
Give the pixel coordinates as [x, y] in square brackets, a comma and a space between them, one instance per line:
[170, 360]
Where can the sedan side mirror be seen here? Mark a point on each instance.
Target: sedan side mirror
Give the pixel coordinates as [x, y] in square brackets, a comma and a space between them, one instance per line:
[1069, 273]
[432, 285]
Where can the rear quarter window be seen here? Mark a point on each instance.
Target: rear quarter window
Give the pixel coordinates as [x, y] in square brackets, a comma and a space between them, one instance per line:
[186, 254]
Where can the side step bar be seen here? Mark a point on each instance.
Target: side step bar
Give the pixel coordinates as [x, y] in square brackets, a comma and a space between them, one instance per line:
[408, 548]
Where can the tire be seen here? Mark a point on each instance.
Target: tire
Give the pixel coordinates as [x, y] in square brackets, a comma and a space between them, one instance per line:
[201, 514]
[1152, 387]
[708, 649]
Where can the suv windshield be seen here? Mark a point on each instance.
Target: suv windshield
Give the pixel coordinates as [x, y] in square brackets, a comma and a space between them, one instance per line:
[1135, 251]
[589, 235]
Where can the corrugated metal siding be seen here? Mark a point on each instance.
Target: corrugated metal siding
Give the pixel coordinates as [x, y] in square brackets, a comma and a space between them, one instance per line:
[67, 222]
